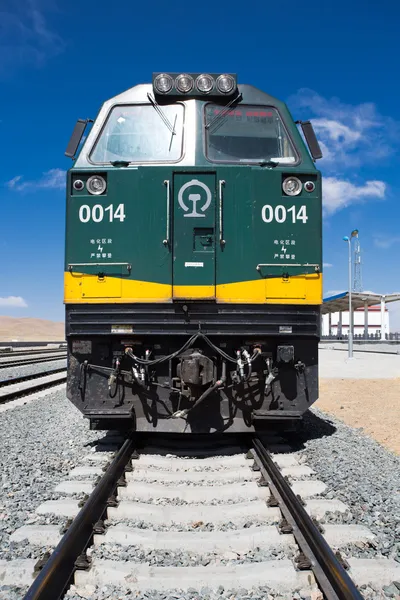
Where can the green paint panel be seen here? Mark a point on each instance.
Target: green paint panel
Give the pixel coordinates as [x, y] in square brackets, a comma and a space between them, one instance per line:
[194, 229]
[134, 235]
[262, 226]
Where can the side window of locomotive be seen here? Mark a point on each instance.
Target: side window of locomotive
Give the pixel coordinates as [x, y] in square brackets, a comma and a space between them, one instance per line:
[247, 134]
[138, 133]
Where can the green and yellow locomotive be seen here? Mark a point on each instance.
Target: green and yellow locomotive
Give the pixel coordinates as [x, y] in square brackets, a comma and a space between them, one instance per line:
[193, 273]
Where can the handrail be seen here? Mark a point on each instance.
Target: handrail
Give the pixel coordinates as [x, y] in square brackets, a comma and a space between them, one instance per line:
[114, 264]
[221, 222]
[315, 265]
[167, 183]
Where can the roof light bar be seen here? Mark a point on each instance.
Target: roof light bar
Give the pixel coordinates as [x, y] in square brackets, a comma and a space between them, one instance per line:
[194, 84]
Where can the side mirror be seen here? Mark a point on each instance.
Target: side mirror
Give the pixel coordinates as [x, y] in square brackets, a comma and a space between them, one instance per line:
[76, 137]
[311, 139]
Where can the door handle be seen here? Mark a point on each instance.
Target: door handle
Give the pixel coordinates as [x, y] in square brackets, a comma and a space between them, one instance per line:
[221, 216]
[166, 183]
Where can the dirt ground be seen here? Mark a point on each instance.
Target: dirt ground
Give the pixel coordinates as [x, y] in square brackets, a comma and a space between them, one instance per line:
[373, 404]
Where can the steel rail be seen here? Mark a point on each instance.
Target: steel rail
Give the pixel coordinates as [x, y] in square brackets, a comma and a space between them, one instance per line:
[56, 575]
[37, 386]
[14, 380]
[33, 361]
[331, 576]
[17, 353]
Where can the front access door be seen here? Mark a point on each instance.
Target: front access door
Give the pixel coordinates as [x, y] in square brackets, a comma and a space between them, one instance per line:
[194, 215]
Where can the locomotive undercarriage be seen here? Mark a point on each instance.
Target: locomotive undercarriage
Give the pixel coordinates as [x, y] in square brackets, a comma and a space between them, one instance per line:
[179, 375]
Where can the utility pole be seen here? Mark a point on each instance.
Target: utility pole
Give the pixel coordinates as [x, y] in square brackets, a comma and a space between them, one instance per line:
[357, 276]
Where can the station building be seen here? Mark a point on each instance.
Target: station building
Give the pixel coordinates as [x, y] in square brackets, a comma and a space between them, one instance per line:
[337, 323]
[369, 314]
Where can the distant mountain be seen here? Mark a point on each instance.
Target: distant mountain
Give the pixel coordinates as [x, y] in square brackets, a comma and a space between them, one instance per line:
[30, 330]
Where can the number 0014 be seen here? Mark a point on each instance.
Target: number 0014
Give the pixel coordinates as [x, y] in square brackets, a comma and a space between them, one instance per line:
[97, 213]
[280, 214]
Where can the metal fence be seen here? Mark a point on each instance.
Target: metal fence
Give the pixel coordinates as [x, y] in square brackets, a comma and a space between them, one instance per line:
[371, 337]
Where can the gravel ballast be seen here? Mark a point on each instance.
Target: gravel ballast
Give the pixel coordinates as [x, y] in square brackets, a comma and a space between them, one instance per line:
[48, 437]
[33, 369]
[359, 472]
[45, 439]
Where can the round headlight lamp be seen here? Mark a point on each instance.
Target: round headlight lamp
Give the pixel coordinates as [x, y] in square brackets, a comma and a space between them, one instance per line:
[225, 84]
[96, 185]
[184, 83]
[292, 186]
[163, 83]
[205, 83]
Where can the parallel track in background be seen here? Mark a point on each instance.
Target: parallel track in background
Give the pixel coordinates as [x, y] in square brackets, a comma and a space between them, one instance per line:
[31, 352]
[23, 378]
[57, 574]
[29, 384]
[32, 361]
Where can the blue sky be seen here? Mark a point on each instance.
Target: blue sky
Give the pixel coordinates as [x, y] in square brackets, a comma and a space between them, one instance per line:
[333, 62]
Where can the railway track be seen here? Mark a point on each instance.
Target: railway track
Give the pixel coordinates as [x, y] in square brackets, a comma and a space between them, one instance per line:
[30, 352]
[10, 389]
[32, 361]
[23, 378]
[220, 505]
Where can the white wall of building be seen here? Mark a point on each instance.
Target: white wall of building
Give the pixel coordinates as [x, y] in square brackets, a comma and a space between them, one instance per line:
[374, 322]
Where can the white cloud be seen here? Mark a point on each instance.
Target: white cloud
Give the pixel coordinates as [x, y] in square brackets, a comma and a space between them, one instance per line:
[339, 193]
[336, 131]
[26, 38]
[349, 135]
[14, 301]
[327, 265]
[51, 180]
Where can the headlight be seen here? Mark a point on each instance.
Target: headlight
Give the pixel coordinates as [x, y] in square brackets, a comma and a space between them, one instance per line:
[184, 83]
[292, 186]
[225, 84]
[96, 185]
[163, 83]
[204, 83]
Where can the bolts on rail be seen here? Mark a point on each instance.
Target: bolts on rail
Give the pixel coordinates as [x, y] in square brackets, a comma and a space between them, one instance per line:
[272, 502]
[64, 528]
[41, 562]
[303, 563]
[112, 501]
[285, 527]
[99, 527]
[83, 562]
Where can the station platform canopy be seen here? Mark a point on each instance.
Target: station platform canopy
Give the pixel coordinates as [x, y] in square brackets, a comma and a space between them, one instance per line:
[340, 302]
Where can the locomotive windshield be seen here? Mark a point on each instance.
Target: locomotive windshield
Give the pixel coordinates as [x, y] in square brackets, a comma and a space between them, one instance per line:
[139, 133]
[247, 134]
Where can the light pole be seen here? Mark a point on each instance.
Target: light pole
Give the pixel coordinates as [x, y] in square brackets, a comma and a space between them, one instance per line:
[347, 239]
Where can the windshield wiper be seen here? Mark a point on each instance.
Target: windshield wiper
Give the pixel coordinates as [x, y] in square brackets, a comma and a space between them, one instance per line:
[224, 112]
[163, 117]
[173, 132]
[260, 163]
[120, 163]
[268, 163]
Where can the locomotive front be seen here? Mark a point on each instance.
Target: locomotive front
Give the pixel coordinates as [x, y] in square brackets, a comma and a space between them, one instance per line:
[193, 273]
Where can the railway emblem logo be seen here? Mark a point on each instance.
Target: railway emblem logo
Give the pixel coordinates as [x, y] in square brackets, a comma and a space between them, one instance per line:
[194, 198]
